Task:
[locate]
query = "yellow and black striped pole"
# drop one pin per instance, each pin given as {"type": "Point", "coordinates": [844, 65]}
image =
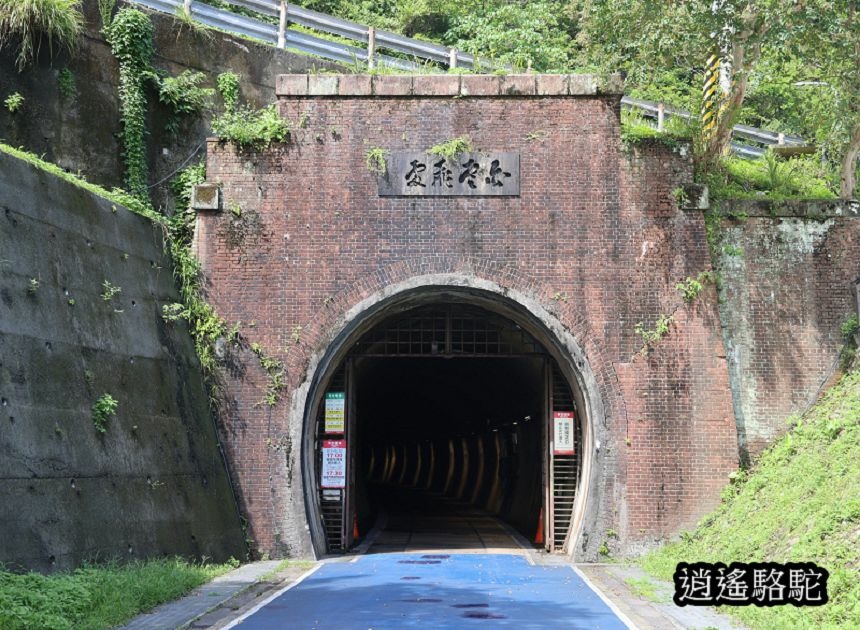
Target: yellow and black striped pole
{"type": "Point", "coordinates": [711, 97]}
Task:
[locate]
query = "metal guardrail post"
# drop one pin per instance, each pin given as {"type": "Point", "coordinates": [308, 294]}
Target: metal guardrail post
{"type": "Point", "coordinates": [187, 7]}
{"type": "Point", "coordinates": [282, 26]}
{"type": "Point", "coordinates": [452, 58]}
{"type": "Point", "coordinates": [661, 116]}
{"type": "Point", "coordinates": [780, 138]}
{"type": "Point", "coordinates": [371, 47]}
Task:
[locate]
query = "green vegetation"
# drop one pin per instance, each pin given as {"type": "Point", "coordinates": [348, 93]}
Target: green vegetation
{"type": "Point", "coordinates": [850, 327]}
{"type": "Point", "coordinates": [66, 83]}
{"type": "Point", "coordinates": [97, 596]}
{"type": "Point", "coordinates": [644, 588]}
{"type": "Point", "coordinates": [130, 38]}
{"type": "Point", "coordinates": [651, 336]}
{"type": "Point", "coordinates": [252, 129]}
{"type": "Point", "coordinates": [452, 148]}
{"type": "Point", "coordinates": [228, 88]}
{"type": "Point", "coordinates": [187, 21]}
{"type": "Point", "coordinates": [245, 127]}
{"type": "Point", "coordinates": [768, 178]}
{"type": "Point", "coordinates": [690, 288]}
{"type": "Point", "coordinates": [102, 410]}
{"type": "Point", "coordinates": [799, 503]}
{"type": "Point", "coordinates": [185, 96]}
{"type": "Point", "coordinates": [28, 22]}
{"type": "Point", "coordinates": [110, 291]}
{"type": "Point", "coordinates": [374, 159]}
{"type": "Point", "coordinates": [205, 325]}
{"type": "Point", "coordinates": [106, 8]}
{"type": "Point", "coordinates": [274, 368]}
{"type": "Point", "coordinates": [523, 34]}
{"type": "Point", "coordinates": [785, 75]}
{"type": "Point", "coordinates": [13, 102]}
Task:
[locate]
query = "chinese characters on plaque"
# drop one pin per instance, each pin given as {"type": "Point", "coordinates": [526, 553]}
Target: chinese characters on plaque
{"type": "Point", "coordinates": [468, 174]}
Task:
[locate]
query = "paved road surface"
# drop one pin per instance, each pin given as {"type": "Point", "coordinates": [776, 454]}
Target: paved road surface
{"type": "Point", "coordinates": [436, 590]}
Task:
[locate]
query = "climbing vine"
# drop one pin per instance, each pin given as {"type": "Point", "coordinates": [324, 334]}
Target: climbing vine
{"type": "Point", "coordinates": [274, 369]}
{"type": "Point", "coordinates": [204, 323]}
{"type": "Point", "coordinates": [228, 88]}
{"type": "Point", "coordinates": [207, 328]}
{"type": "Point", "coordinates": [130, 37]}
{"type": "Point", "coordinates": [184, 96]}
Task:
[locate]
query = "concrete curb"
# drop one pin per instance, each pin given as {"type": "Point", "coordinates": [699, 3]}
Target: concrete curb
{"type": "Point", "coordinates": [184, 611]}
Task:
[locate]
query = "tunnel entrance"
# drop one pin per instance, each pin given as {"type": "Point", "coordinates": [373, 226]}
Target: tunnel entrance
{"type": "Point", "coordinates": [456, 425]}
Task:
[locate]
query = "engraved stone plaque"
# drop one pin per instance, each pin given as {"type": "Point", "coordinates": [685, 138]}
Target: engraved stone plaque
{"type": "Point", "coordinates": [413, 174]}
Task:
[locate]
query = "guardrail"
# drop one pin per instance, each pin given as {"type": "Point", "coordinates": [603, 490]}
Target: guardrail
{"type": "Point", "coordinates": [281, 14]}
{"type": "Point", "coordinates": [660, 112]}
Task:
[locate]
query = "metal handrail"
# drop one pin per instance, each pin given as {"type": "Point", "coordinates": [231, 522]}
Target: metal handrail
{"type": "Point", "coordinates": [370, 39]}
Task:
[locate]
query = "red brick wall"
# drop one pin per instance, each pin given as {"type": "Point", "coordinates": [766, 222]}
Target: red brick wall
{"type": "Point", "coordinates": [595, 236]}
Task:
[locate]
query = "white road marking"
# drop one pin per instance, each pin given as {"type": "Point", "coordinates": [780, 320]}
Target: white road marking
{"type": "Point", "coordinates": [277, 594]}
{"type": "Point", "coordinates": [624, 618]}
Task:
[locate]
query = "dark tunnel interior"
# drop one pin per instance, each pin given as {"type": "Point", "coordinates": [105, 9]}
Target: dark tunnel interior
{"type": "Point", "coordinates": [468, 428]}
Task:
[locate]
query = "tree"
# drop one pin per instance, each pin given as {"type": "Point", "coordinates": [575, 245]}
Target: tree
{"type": "Point", "coordinates": [639, 33]}
{"type": "Point", "coordinates": [831, 38]}
{"type": "Point", "coordinates": [523, 34]}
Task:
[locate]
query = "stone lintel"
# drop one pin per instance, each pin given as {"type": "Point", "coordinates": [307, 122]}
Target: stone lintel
{"type": "Point", "coordinates": [447, 85]}
{"type": "Point", "coordinates": [796, 208]}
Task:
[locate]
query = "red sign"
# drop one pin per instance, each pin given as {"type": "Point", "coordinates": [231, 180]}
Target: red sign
{"type": "Point", "coordinates": [333, 470]}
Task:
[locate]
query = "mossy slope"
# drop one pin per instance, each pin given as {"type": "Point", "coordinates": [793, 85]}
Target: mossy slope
{"type": "Point", "coordinates": [801, 502]}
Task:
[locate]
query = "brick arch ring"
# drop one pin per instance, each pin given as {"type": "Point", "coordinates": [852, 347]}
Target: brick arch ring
{"type": "Point", "coordinates": [332, 337]}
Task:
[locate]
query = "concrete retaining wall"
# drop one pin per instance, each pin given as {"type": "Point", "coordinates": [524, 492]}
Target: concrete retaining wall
{"type": "Point", "coordinates": [81, 132]}
{"type": "Point", "coordinates": [155, 482]}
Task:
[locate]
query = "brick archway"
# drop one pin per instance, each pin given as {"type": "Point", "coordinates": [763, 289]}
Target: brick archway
{"type": "Point", "coordinates": [361, 307]}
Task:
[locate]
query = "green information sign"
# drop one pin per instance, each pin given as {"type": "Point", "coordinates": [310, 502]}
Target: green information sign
{"type": "Point", "coordinates": [335, 404]}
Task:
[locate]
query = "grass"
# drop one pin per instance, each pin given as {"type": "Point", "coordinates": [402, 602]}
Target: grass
{"type": "Point", "coordinates": [644, 588]}
{"type": "Point", "coordinates": [801, 502]}
{"type": "Point", "coordinates": [374, 159]}
{"type": "Point", "coordinates": [27, 22]}
{"type": "Point", "coordinates": [452, 148]}
{"type": "Point", "coordinates": [97, 596]}
{"type": "Point", "coordinates": [769, 178]}
{"type": "Point", "coordinates": [252, 129]}
{"type": "Point", "coordinates": [116, 195]}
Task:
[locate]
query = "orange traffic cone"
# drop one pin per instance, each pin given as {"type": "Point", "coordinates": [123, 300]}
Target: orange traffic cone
{"type": "Point", "coordinates": [539, 532]}
{"type": "Point", "coordinates": [354, 526]}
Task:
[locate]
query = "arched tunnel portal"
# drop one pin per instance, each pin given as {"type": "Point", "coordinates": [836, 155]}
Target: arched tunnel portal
{"type": "Point", "coordinates": [441, 402]}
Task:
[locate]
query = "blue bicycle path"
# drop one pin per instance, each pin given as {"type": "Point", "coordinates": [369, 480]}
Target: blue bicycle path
{"type": "Point", "coordinates": [408, 590]}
